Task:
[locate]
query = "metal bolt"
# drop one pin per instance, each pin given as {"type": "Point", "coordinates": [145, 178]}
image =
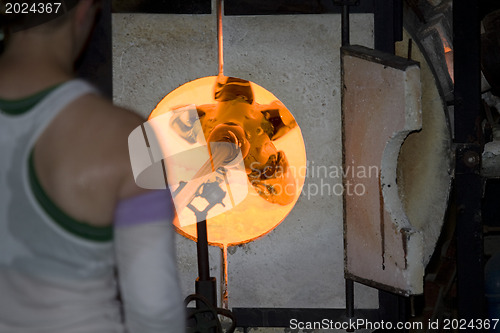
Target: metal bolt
{"type": "Point", "coordinates": [471, 159]}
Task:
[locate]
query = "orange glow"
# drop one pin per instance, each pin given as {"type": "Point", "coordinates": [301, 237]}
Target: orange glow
{"type": "Point", "coordinates": [257, 214]}
{"type": "Point", "coordinates": [448, 56]}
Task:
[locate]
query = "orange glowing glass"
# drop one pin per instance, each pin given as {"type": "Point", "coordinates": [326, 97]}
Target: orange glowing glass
{"type": "Point", "coordinates": [275, 159]}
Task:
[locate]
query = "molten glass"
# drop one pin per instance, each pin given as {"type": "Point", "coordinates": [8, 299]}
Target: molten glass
{"type": "Point", "coordinates": [250, 117]}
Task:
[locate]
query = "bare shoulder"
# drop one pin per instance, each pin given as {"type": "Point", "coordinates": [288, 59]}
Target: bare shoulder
{"type": "Point", "coordinates": [99, 126]}
{"type": "Point", "coordinates": [100, 109]}
{"type": "Point", "coordinates": [114, 126]}
{"type": "Point", "coordinates": [82, 158]}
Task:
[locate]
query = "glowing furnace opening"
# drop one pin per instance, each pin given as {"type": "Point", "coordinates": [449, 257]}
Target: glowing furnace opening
{"type": "Point", "coordinates": [272, 145]}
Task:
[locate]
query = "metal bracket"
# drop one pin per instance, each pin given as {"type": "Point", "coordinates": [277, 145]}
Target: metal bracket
{"type": "Point", "coordinates": [468, 158]}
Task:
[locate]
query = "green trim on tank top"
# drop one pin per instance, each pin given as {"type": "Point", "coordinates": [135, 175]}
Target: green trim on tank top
{"type": "Point", "coordinates": [16, 107]}
{"type": "Point", "coordinates": [75, 227]}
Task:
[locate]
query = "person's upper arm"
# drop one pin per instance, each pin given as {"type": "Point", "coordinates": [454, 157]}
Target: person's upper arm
{"type": "Point", "coordinates": [145, 255]}
{"type": "Point", "coordinates": [147, 267]}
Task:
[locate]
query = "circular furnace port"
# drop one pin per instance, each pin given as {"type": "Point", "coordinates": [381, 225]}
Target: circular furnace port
{"type": "Point", "coordinates": [425, 160]}
{"type": "Point", "coordinates": [271, 144]}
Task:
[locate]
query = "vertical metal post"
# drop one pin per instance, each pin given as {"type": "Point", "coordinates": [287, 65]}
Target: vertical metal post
{"type": "Point", "coordinates": [202, 251]}
{"type": "Point", "coordinates": [349, 298]}
{"type": "Point", "coordinates": [220, 39]}
{"type": "Point", "coordinates": [205, 285]}
{"type": "Point", "coordinates": [349, 284]}
{"type": "Point", "coordinates": [468, 182]}
{"type": "Point", "coordinates": [345, 25]}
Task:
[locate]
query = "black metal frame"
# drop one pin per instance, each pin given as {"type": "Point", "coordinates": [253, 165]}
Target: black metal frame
{"type": "Point", "coordinates": [468, 182]}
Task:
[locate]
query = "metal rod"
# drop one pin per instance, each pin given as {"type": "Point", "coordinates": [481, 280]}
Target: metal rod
{"type": "Point", "coordinates": [220, 37]}
{"type": "Point", "coordinates": [345, 25]}
{"type": "Point", "coordinates": [349, 298]}
{"type": "Point", "coordinates": [202, 251]}
{"type": "Point", "coordinates": [224, 277]}
{"type": "Point", "coordinates": [410, 45]}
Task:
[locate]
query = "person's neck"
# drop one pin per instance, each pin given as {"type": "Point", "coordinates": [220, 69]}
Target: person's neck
{"type": "Point", "coordinates": [28, 68]}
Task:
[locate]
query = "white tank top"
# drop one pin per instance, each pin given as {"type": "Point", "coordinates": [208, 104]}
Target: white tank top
{"type": "Point", "coordinates": [51, 279]}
